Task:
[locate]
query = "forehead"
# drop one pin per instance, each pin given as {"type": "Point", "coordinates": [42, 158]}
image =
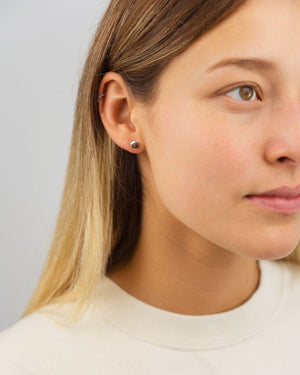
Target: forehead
{"type": "Point", "coordinates": [266, 29]}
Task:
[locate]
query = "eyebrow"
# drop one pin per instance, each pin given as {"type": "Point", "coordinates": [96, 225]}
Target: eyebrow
{"type": "Point", "coordinates": [249, 63]}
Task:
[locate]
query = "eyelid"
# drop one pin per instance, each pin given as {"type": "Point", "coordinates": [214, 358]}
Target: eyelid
{"type": "Point", "coordinates": [242, 84]}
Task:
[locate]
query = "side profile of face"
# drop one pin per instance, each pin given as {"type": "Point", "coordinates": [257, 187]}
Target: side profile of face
{"type": "Point", "coordinates": [210, 141]}
{"type": "Point", "coordinates": [214, 135]}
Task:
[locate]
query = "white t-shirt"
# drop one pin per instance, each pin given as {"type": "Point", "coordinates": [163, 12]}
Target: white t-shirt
{"type": "Point", "coordinates": [127, 336]}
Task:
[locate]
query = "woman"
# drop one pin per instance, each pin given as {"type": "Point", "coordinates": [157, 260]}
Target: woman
{"type": "Point", "coordinates": [173, 253]}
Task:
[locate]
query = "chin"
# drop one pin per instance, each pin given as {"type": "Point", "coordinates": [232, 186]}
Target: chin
{"type": "Point", "coordinates": [274, 253]}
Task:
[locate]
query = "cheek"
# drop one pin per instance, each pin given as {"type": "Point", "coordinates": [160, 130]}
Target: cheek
{"type": "Point", "coordinates": [198, 164]}
{"type": "Point", "coordinates": [201, 171]}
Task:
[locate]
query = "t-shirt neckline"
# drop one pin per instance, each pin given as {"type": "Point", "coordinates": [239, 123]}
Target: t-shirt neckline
{"type": "Point", "coordinates": [193, 332]}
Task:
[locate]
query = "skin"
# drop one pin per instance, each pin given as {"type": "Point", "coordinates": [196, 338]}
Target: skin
{"type": "Point", "coordinates": [201, 153]}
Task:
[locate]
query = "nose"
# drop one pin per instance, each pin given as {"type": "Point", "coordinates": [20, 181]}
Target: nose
{"type": "Point", "coordinates": [283, 144]}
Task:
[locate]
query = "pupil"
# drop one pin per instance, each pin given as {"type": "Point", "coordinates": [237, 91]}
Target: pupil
{"type": "Point", "coordinates": [246, 92]}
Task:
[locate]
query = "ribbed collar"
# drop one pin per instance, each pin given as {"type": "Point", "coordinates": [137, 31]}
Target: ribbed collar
{"type": "Point", "coordinates": [189, 332]}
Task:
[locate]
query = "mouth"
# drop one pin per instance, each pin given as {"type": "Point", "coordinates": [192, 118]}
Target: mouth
{"type": "Point", "coordinates": [282, 192]}
{"type": "Point", "coordinates": [283, 205]}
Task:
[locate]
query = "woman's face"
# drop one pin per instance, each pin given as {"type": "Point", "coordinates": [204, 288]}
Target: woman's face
{"type": "Point", "coordinates": [210, 141]}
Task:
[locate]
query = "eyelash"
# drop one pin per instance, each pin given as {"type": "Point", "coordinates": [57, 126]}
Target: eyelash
{"type": "Point", "coordinates": [245, 84]}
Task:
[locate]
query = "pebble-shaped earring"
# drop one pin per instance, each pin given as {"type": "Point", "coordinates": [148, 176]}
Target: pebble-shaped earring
{"type": "Point", "coordinates": [134, 145]}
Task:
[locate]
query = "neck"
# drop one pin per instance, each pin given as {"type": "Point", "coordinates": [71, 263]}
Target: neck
{"type": "Point", "coordinates": [182, 283]}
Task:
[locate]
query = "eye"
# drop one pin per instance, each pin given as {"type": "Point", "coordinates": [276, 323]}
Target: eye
{"type": "Point", "coordinates": [245, 92]}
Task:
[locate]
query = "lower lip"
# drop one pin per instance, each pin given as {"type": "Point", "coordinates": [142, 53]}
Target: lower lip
{"type": "Point", "coordinates": [276, 204]}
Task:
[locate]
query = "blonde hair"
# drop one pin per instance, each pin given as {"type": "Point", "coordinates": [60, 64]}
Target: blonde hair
{"type": "Point", "coordinates": [99, 220]}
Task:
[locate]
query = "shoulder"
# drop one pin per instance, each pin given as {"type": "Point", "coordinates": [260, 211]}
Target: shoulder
{"type": "Point", "coordinates": [8, 367]}
{"type": "Point", "coordinates": [23, 345]}
{"type": "Point", "coordinates": [38, 343]}
{"type": "Point", "coordinates": [41, 343]}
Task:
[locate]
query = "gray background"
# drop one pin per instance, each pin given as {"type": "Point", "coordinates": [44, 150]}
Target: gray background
{"type": "Point", "coordinates": [43, 48]}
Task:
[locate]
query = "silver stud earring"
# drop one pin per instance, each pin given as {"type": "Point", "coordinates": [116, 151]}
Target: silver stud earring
{"type": "Point", "coordinates": [134, 145]}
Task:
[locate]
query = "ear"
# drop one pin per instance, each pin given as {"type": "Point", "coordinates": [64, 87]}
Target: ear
{"type": "Point", "coordinates": [116, 109]}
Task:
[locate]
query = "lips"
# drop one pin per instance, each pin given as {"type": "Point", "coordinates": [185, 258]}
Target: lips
{"type": "Point", "coordinates": [276, 204]}
{"type": "Point", "coordinates": [284, 200]}
{"type": "Point", "coordinates": [281, 192]}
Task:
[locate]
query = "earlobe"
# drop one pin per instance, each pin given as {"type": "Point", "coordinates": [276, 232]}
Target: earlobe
{"type": "Point", "coordinates": [115, 109]}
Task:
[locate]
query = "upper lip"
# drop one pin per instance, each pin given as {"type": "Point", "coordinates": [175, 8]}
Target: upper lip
{"type": "Point", "coordinates": [283, 192]}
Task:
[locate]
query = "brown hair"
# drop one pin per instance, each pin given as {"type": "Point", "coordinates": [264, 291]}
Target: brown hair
{"type": "Point", "coordinates": [100, 214]}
